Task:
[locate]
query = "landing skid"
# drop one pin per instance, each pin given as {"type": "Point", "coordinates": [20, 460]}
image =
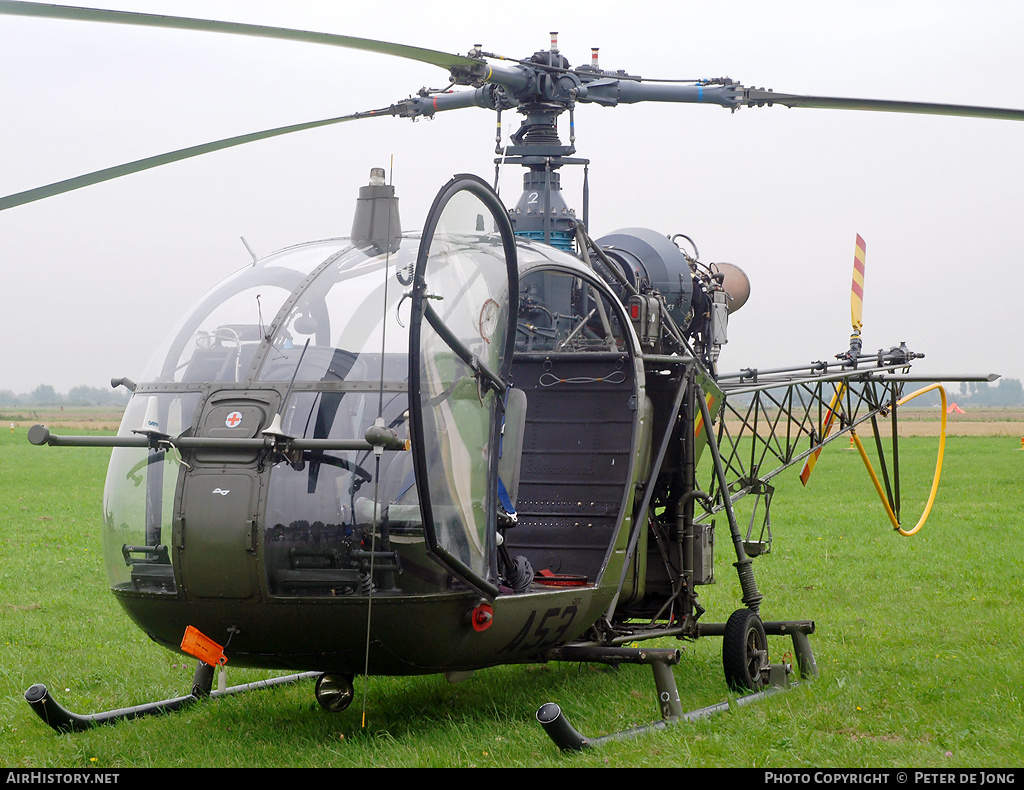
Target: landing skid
{"type": "Point", "coordinates": [62, 720]}
{"type": "Point", "coordinates": [568, 739]}
{"type": "Point", "coordinates": [661, 661]}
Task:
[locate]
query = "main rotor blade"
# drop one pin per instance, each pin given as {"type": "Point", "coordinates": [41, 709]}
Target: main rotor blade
{"type": "Point", "coordinates": [610, 91]}
{"type": "Point", "coordinates": [756, 97]}
{"type": "Point", "coordinates": [117, 171]}
{"type": "Point", "coordinates": [443, 59]}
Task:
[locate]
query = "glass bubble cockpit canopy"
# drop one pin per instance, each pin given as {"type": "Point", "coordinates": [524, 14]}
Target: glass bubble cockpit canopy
{"type": "Point", "coordinates": [329, 293]}
{"type": "Point", "coordinates": [324, 325]}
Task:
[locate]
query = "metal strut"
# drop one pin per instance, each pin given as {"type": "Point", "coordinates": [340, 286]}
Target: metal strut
{"type": "Point", "coordinates": [752, 597]}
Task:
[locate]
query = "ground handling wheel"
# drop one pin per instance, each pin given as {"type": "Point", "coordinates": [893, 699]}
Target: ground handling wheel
{"type": "Point", "coordinates": [334, 692]}
{"type": "Point", "coordinates": [745, 652]}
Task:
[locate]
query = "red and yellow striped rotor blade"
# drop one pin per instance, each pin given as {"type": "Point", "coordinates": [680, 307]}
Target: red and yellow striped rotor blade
{"type": "Point", "coordinates": [826, 429]}
{"type": "Point", "coordinates": [856, 312]}
{"type": "Point", "coordinates": [857, 289]}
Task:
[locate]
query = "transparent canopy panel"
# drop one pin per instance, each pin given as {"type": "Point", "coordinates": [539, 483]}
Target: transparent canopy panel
{"type": "Point", "coordinates": [326, 323]}
{"type": "Point", "coordinates": [320, 334]}
{"type": "Point", "coordinates": [465, 278]}
{"type": "Point", "coordinates": [342, 344]}
{"type": "Point", "coordinates": [139, 497]}
{"type": "Point", "coordinates": [562, 311]}
{"type": "Point", "coordinates": [216, 340]}
{"type": "Point", "coordinates": [348, 323]}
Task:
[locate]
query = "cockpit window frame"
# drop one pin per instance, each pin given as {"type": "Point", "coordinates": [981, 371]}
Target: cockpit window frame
{"type": "Point", "coordinates": [484, 582]}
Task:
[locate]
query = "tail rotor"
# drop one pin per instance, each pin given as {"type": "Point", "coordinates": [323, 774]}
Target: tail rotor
{"type": "Point", "coordinates": [857, 297]}
{"type": "Point", "coordinates": [856, 320]}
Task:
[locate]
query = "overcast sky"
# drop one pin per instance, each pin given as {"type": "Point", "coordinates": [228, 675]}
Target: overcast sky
{"type": "Point", "coordinates": [91, 281]}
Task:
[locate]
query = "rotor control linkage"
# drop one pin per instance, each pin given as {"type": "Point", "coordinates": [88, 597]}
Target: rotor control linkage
{"type": "Point", "coordinates": [62, 720]}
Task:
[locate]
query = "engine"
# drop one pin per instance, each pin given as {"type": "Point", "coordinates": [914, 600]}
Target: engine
{"type": "Point", "coordinates": [657, 279]}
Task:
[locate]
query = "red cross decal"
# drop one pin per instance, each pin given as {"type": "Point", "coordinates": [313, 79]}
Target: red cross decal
{"type": "Point", "coordinates": [234, 419]}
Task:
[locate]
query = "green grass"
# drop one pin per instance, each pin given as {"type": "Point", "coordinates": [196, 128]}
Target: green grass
{"type": "Point", "coordinates": [918, 645]}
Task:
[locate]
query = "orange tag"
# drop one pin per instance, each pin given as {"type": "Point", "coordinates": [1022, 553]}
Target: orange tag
{"type": "Point", "coordinates": [197, 644]}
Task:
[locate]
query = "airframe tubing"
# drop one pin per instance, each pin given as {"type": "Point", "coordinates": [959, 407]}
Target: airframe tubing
{"type": "Point", "coordinates": [938, 464]}
{"type": "Point", "coordinates": [40, 435]}
{"type": "Point", "coordinates": [751, 595]}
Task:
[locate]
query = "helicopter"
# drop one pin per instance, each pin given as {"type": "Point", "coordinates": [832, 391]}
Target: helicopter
{"type": "Point", "coordinates": [356, 456]}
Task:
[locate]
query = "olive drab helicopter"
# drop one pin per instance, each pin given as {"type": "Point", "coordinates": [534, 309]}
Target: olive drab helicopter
{"type": "Point", "coordinates": [495, 441]}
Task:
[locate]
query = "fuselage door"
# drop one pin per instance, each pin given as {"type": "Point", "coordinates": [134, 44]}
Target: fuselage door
{"type": "Point", "coordinates": [464, 307]}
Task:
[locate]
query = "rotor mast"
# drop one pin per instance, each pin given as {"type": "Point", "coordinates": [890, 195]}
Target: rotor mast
{"type": "Point", "coordinates": [541, 212]}
{"type": "Point", "coordinates": [541, 89]}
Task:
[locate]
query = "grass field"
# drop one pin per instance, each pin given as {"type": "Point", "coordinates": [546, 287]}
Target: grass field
{"type": "Point", "coordinates": [918, 644]}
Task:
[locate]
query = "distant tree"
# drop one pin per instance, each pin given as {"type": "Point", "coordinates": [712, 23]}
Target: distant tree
{"type": "Point", "coordinates": [44, 394]}
{"type": "Point", "coordinates": [927, 399]}
{"type": "Point", "coordinates": [8, 398]}
{"type": "Point", "coordinates": [81, 396]}
{"type": "Point", "coordinates": [1008, 392]}
{"type": "Point", "coordinates": [94, 396]}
